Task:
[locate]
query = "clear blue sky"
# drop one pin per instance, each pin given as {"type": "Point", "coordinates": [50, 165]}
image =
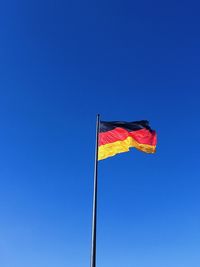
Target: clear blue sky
{"type": "Point", "coordinates": [61, 62]}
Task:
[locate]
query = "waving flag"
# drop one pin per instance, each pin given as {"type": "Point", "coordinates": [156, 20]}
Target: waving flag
{"type": "Point", "coordinates": [119, 136]}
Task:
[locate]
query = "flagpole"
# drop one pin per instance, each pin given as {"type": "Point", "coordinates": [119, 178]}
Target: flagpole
{"type": "Point", "coordinates": [94, 213]}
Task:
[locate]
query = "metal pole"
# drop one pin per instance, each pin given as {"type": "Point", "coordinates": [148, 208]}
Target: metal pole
{"type": "Point", "coordinates": [94, 213]}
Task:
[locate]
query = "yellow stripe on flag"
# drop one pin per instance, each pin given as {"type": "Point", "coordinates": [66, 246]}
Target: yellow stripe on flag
{"type": "Point", "coordinates": [111, 149]}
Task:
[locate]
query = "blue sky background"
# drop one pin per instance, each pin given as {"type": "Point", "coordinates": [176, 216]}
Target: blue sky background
{"type": "Point", "coordinates": [61, 63]}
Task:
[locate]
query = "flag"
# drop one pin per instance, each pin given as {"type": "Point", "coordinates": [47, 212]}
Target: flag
{"type": "Point", "coordinates": [119, 136]}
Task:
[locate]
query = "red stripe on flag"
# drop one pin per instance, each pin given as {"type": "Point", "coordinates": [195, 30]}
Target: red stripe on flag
{"type": "Point", "coordinates": [142, 136]}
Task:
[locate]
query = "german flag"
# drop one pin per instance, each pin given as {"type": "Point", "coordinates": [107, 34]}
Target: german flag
{"type": "Point", "coordinates": [119, 136]}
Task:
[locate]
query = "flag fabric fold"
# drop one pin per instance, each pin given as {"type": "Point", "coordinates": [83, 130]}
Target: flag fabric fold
{"type": "Point", "coordinates": [119, 136]}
